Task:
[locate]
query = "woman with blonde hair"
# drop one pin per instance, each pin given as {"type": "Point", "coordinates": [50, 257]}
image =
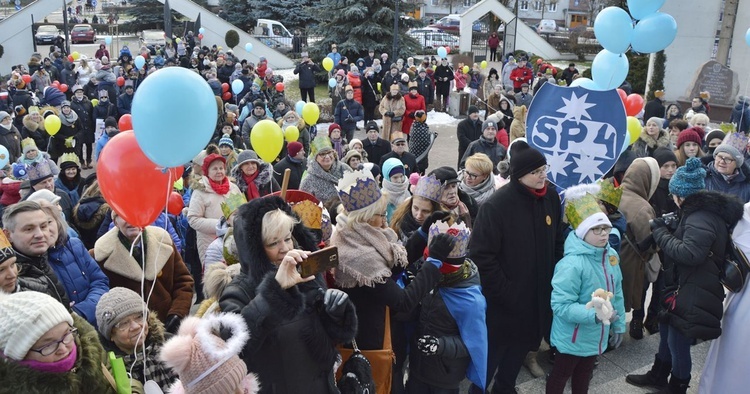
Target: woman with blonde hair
{"type": "Point", "coordinates": [476, 178]}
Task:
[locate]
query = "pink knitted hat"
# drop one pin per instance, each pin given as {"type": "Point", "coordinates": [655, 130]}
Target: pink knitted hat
{"type": "Point", "coordinates": [205, 363]}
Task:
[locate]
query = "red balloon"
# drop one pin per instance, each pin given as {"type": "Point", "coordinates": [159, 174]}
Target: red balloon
{"type": "Point", "coordinates": [224, 87]}
{"type": "Point", "coordinates": [120, 81]}
{"type": "Point", "coordinates": [175, 204]}
{"type": "Point", "coordinates": [200, 36]}
{"type": "Point", "coordinates": [26, 78]}
{"type": "Point", "coordinates": [70, 58]}
{"type": "Point", "coordinates": [125, 123]}
{"type": "Point", "coordinates": [122, 167]}
{"type": "Point", "coordinates": [633, 104]}
{"type": "Point", "coordinates": [226, 96]}
{"type": "Point", "coordinates": [448, 49]}
{"type": "Point", "coordinates": [623, 95]}
{"type": "Point", "coordinates": [63, 88]}
{"type": "Point", "coordinates": [176, 173]}
{"type": "Point", "coordinates": [279, 86]}
{"type": "Point", "coordinates": [55, 84]}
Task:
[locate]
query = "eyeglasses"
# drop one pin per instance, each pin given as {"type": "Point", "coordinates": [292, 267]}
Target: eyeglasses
{"type": "Point", "coordinates": [601, 230]}
{"type": "Point", "coordinates": [540, 171]}
{"type": "Point", "coordinates": [725, 159]}
{"type": "Point", "coordinates": [52, 347]}
{"type": "Point", "coordinates": [471, 175]}
{"type": "Point", "coordinates": [124, 325]}
{"type": "Point", "coordinates": [325, 154]}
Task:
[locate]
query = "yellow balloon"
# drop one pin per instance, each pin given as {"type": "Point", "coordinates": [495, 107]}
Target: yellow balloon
{"type": "Point", "coordinates": [52, 124]}
{"type": "Point", "coordinates": [311, 113]}
{"type": "Point", "coordinates": [267, 139]}
{"type": "Point", "coordinates": [328, 64]}
{"type": "Point", "coordinates": [291, 134]}
{"type": "Point", "coordinates": [434, 68]}
{"type": "Point", "coordinates": [378, 86]}
{"type": "Point", "coordinates": [75, 55]}
{"type": "Point", "coordinates": [179, 40]}
{"type": "Point", "coordinates": [483, 64]}
{"type": "Point", "coordinates": [94, 102]}
{"type": "Point", "coordinates": [465, 69]}
{"type": "Point", "coordinates": [635, 128]}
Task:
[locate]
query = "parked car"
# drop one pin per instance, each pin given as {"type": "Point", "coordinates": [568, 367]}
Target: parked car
{"type": "Point", "coordinates": [547, 26]}
{"type": "Point", "coordinates": [432, 39]}
{"type": "Point", "coordinates": [46, 34]}
{"type": "Point", "coordinates": [153, 37]}
{"type": "Point", "coordinates": [82, 33]}
{"type": "Point", "coordinates": [448, 23]}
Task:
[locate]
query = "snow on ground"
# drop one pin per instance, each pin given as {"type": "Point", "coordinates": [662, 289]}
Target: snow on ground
{"type": "Point", "coordinates": [440, 118]}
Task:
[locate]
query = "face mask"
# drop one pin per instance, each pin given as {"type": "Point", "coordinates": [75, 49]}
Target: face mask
{"type": "Point", "coordinates": [60, 366]}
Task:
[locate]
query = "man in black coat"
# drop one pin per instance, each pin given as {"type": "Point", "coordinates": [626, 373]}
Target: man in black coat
{"type": "Point", "coordinates": [399, 151]}
{"type": "Point", "coordinates": [655, 107]}
{"type": "Point", "coordinates": [425, 87]}
{"type": "Point", "coordinates": [443, 77]}
{"type": "Point", "coordinates": [306, 71]}
{"type": "Point", "coordinates": [468, 131]}
{"type": "Point", "coordinates": [375, 146]}
{"type": "Point", "coordinates": [569, 72]}
{"type": "Point", "coordinates": [82, 106]}
{"type": "Point", "coordinates": [516, 241]}
{"type": "Point", "coordinates": [295, 161]}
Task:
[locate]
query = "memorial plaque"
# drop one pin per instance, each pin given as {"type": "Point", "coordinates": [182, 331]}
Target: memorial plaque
{"type": "Point", "coordinates": [720, 81]}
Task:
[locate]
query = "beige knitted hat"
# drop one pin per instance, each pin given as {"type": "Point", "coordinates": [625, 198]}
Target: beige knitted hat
{"type": "Point", "coordinates": [25, 317]}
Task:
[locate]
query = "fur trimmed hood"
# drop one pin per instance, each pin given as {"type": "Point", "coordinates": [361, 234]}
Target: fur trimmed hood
{"type": "Point", "coordinates": [726, 206]}
{"type": "Point", "coordinates": [662, 140]}
{"type": "Point", "coordinates": [117, 258]}
{"type": "Point", "coordinates": [265, 173]}
{"type": "Point", "coordinates": [247, 229]}
{"type": "Point", "coordinates": [31, 124]}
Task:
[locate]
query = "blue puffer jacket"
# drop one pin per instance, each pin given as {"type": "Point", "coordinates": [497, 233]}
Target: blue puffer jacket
{"type": "Point", "coordinates": [738, 186]}
{"type": "Point", "coordinates": [81, 276]}
{"type": "Point", "coordinates": [584, 269]}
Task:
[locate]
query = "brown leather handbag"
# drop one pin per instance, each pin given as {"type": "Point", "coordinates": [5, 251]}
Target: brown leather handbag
{"type": "Point", "coordinates": [381, 361]}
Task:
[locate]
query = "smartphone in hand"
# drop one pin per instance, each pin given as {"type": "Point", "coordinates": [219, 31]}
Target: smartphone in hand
{"type": "Point", "coordinates": [319, 261]}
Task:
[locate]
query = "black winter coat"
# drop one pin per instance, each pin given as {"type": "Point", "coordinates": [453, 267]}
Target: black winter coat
{"type": "Point", "coordinates": [104, 110]}
{"type": "Point", "coordinates": [467, 132]}
{"type": "Point", "coordinates": [426, 88]}
{"type": "Point", "coordinates": [516, 241]}
{"type": "Point", "coordinates": [692, 257]}
{"type": "Point", "coordinates": [298, 169]}
{"type": "Point", "coordinates": [35, 273]}
{"type": "Point", "coordinates": [23, 97]}
{"type": "Point", "coordinates": [370, 91]}
{"type": "Point", "coordinates": [306, 73]}
{"type": "Point", "coordinates": [376, 151]}
{"type": "Point", "coordinates": [85, 112]}
{"type": "Point", "coordinates": [655, 108]}
{"type": "Point", "coordinates": [292, 346]}
{"type": "Point", "coordinates": [407, 158]}
{"type": "Point", "coordinates": [443, 77]}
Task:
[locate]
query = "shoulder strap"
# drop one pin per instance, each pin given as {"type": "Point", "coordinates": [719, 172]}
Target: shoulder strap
{"type": "Point", "coordinates": [387, 330]}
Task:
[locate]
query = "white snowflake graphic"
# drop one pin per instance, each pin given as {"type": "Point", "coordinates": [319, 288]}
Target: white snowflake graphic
{"type": "Point", "coordinates": [576, 107]}
{"type": "Point", "coordinates": [588, 167]}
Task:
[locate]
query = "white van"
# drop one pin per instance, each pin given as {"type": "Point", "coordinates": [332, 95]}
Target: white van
{"type": "Point", "coordinates": [273, 33]}
{"type": "Point", "coordinates": [547, 26]}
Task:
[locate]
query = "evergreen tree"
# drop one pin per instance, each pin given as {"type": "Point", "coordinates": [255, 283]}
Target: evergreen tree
{"type": "Point", "coordinates": [356, 26]}
{"type": "Point", "coordinates": [238, 13]}
{"type": "Point", "coordinates": [147, 14]}
{"type": "Point", "coordinates": [657, 77]}
{"type": "Point", "coordinates": [292, 13]}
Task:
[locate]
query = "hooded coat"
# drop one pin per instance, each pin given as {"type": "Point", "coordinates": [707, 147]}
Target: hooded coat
{"type": "Point", "coordinates": [204, 211]}
{"type": "Point", "coordinates": [397, 106]}
{"type": "Point", "coordinates": [87, 375]}
{"type": "Point", "coordinates": [741, 116]}
{"type": "Point", "coordinates": [693, 255]}
{"type": "Point", "coordinates": [639, 184]}
{"type": "Point", "coordinates": [292, 348]}
{"type": "Point", "coordinates": [645, 145]}
{"type": "Point", "coordinates": [88, 216]}
{"type": "Point", "coordinates": [516, 240]}
{"type": "Point", "coordinates": [172, 292]}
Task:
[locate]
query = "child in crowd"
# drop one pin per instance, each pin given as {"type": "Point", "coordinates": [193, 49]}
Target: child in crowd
{"type": "Point", "coordinates": [395, 185]}
{"type": "Point", "coordinates": [32, 154]}
{"type": "Point", "coordinates": [226, 148]}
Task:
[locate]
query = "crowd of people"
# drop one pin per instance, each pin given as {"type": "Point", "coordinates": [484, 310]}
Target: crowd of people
{"type": "Point", "coordinates": [460, 273]}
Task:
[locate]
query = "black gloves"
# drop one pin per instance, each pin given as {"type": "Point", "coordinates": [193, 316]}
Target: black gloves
{"type": "Point", "coordinates": [434, 217]}
{"type": "Point", "coordinates": [172, 324]}
{"type": "Point", "coordinates": [441, 246]}
{"type": "Point", "coordinates": [389, 114]}
{"type": "Point", "coordinates": [430, 345]}
{"type": "Point", "coordinates": [668, 221]}
{"type": "Point", "coordinates": [411, 115]}
{"type": "Point", "coordinates": [334, 301]}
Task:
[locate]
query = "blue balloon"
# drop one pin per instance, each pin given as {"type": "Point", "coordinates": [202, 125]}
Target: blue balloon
{"type": "Point", "coordinates": [614, 29]}
{"type": "Point", "coordinates": [585, 83]}
{"type": "Point", "coordinates": [643, 8]}
{"type": "Point", "coordinates": [140, 61]}
{"type": "Point", "coordinates": [249, 47]}
{"type": "Point", "coordinates": [298, 107]}
{"type": "Point", "coordinates": [747, 37]}
{"type": "Point", "coordinates": [609, 70]}
{"type": "Point", "coordinates": [4, 156]}
{"type": "Point", "coordinates": [237, 86]}
{"type": "Point", "coordinates": [441, 52]}
{"type": "Point", "coordinates": [332, 83]}
{"type": "Point", "coordinates": [172, 141]}
{"type": "Point", "coordinates": [654, 33]}
{"type": "Point", "coordinates": [201, 30]}
{"type": "Point", "coordinates": [107, 40]}
{"type": "Point", "coordinates": [626, 143]}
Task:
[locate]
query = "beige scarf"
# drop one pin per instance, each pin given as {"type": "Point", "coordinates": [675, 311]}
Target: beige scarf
{"type": "Point", "coordinates": [366, 254]}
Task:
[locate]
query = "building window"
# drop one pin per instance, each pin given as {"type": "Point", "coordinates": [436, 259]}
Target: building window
{"type": "Point", "coordinates": [524, 6]}
{"type": "Point", "coordinates": [552, 7]}
{"type": "Point", "coordinates": [467, 3]}
{"type": "Point", "coordinates": [434, 2]}
{"type": "Point", "coordinates": [538, 5]}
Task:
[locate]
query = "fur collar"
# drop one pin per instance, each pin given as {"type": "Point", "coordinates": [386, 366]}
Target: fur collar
{"type": "Point", "coordinates": [726, 206]}
{"type": "Point", "coordinates": [336, 172]}
{"type": "Point", "coordinates": [31, 125]}
{"type": "Point", "coordinates": [265, 172]}
{"type": "Point", "coordinates": [117, 258]}
{"type": "Point", "coordinates": [398, 96]}
{"type": "Point", "coordinates": [662, 140]}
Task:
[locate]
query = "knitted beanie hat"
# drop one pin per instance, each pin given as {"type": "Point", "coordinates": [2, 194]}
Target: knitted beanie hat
{"type": "Point", "coordinates": [205, 363]}
{"type": "Point", "coordinates": [225, 140]}
{"type": "Point", "coordinates": [393, 166]}
{"type": "Point", "coordinates": [210, 159]}
{"type": "Point", "coordinates": [247, 155]}
{"type": "Point", "coordinates": [115, 305]}
{"type": "Point", "coordinates": [26, 317]}
{"type": "Point", "coordinates": [333, 126]}
{"type": "Point", "coordinates": [732, 151]}
{"type": "Point", "coordinates": [688, 179]}
{"type": "Point", "coordinates": [664, 155]}
{"type": "Point", "coordinates": [44, 195]}
{"type": "Point", "coordinates": [524, 159]}
{"type": "Point", "coordinates": [688, 135]}
{"type": "Point", "coordinates": [714, 135]}
{"type": "Point", "coordinates": [490, 123]}
{"type": "Point", "coordinates": [354, 143]}
{"type": "Point", "coordinates": [6, 249]}
{"type": "Point", "coordinates": [293, 148]}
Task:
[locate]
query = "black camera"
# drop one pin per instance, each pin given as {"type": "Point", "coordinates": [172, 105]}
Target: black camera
{"type": "Point", "coordinates": [670, 221]}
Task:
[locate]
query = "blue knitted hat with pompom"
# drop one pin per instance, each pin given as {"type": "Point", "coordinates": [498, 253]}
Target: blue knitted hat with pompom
{"type": "Point", "coordinates": [688, 179]}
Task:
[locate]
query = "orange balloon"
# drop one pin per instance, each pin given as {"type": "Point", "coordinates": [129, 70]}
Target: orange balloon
{"type": "Point", "coordinates": [125, 123]}
{"type": "Point", "coordinates": [122, 166]}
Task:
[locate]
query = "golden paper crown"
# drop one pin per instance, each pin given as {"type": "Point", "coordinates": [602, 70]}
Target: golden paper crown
{"type": "Point", "coordinates": [6, 249]}
{"type": "Point", "coordinates": [28, 142]}
{"type": "Point", "coordinates": [231, 203]}
{"type": "Point", "coordinates": [69, 157]}
{"type": "Point", "coordinates": [580, 203]}
{"type": "Point", "coordinates": [609, 193]}
{"type": "Point", "coordinates": [358, 189]}
{"type": "Point", "coordinates": [429, 187]}
{"type": "Point", "coordinates": [459, 231]}
{"type": "Point", "coordinates": [229, 249]}
{"type": "Point", "coordinates": [309, 213]}
{"type": "Point", "coordinates": [320, 143]}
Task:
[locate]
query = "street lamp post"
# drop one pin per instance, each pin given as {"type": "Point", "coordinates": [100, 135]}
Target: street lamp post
{"type": "Point", "coordinates": [395, 30]}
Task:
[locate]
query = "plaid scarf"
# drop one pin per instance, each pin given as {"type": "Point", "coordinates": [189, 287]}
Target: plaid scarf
{"type": "Point", "coordinates": [155, 370]}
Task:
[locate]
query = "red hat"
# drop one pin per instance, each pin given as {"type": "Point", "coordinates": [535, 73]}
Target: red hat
{"type": "Point", "coordinates": [688, 135]}
{"type": "Point", "coordinates": [332, 127]}
{"type": "Point", "coordinates": [210, 159]}
{"type": "Point", "coordinates": [293, 148]}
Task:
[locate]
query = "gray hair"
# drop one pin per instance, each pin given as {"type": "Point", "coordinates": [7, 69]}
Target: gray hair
{"type": "Point", "coordinates": [9, 216]}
